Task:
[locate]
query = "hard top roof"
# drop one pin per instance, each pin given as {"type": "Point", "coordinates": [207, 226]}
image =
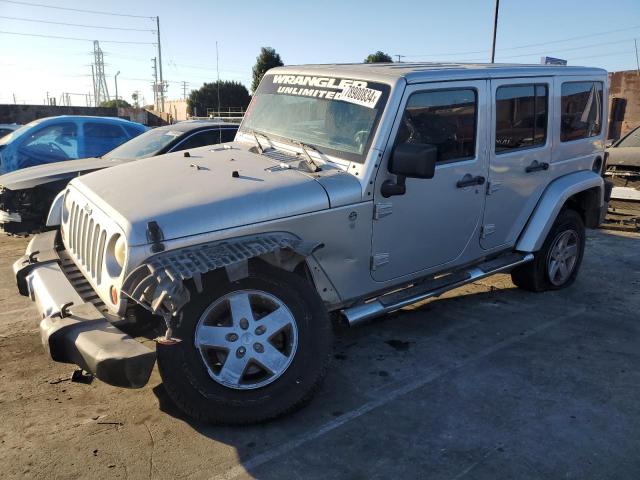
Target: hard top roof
{"type": "Point", "coordinates": [420, 72]}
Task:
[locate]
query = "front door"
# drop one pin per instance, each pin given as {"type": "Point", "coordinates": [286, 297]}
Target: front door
{"type": "Point", "coordinates": [434, 222]}
{"type": "Point", "coordinates": [520, 155]}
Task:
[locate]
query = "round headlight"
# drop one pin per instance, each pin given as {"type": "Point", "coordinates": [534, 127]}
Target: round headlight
{"type": "Point", "coordinates": [115, 255]}
{"type": "Point", "coordinates": [120, 251]}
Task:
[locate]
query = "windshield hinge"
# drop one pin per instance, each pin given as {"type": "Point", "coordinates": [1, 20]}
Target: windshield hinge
{"type": "Point", "coordinates": [378, 260]}
{"type": "Point", "coordinates": [382, 210]}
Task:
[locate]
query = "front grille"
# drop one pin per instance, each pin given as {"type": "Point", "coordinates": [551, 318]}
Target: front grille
{"type": "Point", "coordinates": [86, 241]}
{"type": "Point", "coordinates": [79, 282]}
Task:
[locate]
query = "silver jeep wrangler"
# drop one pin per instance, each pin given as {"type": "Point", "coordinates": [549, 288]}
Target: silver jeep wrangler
{"type": "Point", "coordinates": [349, 191]}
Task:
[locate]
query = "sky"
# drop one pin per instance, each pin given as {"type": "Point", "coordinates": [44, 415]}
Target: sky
{"type": "Point", "coordinates": [585, 32]}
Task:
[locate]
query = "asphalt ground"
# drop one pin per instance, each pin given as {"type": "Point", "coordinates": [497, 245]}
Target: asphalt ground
{"type": "Point", "coordinates": [485, 382]}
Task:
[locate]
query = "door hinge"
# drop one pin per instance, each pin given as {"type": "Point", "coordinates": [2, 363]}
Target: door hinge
{"type": "Point", "coordinates": [382, 210]}
{"type": "Point", "coordinates": [378, 260]}
{"type": "Point", "coordinates": [487, 230]}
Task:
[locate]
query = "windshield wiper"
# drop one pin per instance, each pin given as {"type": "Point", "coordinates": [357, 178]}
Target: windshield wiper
{"type": "Point", "coordinates": [255, 134]}
{"type": "Point", "coordinates": [311, 164]}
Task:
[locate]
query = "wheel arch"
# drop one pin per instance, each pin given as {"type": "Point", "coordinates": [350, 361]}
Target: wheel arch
{"type": "Point", "coordinates": [162, 283]}
{"type": "Point", "coordinates": [582, 191]}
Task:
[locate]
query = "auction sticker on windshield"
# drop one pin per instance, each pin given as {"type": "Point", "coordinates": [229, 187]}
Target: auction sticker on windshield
{"type": "Point", "coordinates": [367, 97]}
{"type": "Point", "coordinates": [358, 92]}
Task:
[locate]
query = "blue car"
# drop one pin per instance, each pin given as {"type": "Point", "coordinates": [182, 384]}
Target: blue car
{"type": "Point", "coordinates": [67, 137]}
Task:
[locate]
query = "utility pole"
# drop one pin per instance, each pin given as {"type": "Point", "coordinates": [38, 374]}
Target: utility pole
{"type": "Point", "coordinates": [155, 83]}
{"type": "Point", "coordinates": [116, 80]}
{"type": "Point", "coordinates": [14, 99]}
{"type": "Point", "coordinates": [495, 31]}
{"type": "Point", "coordinates": [160, 62]}
{"type": "Point", "coordinates": [637, 63]}
{"type": "Point", "coordinates": [400, 57]}
{"type": "Point", "coordinates": [48, 102]}
{"type": "Point", "coordinates": [218, 74]}
{"type": "Point", "coordinates": [184, 89]}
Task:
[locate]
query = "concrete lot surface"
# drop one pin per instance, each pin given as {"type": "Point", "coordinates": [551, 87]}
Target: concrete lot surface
{"type": "Point", "coordinates": [487, 382]}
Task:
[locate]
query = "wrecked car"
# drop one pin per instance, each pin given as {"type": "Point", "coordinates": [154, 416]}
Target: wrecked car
{"type": "Point", "coordinates": [26, 194]}
{"type": "Point", "coordinates": [62, 138]}
{"type": "Point", "coordinates": [623, 167]}
{"type": "Point", "coordinates": [350, 191]}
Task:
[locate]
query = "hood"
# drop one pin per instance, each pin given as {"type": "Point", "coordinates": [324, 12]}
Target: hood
{"type": "Point", "coordinates": [211, 190]}
{"type": "Point", "coordinates": [51, 172]}
{"type": "Point", "coordinates": [627, 156]}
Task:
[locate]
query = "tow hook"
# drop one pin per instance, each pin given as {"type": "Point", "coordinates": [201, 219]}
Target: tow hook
{"type": "Point", "coordinates": [168, 339]}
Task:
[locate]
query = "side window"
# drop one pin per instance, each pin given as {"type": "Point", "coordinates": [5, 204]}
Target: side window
{"type": "Point", "coordinates": [49, 144]}
{"type": "Point", "coordinates": [228, 134]}
{"type": "Point", "coordinates": [581, 110]}
{"type": "Point", "coordinates": [521, 116]}
{"type": "Point", "coordinates": [200, 139]}
{"type": "Point", "coordinates": [444, 118]}
{"type": "Point", "coordinates": [100, 138]}
{"type": "Point", "coordinates": [132, 132]}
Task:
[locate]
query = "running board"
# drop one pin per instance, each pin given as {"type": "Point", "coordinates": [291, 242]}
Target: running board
{"type": "Point", "coordinates": [431, 288]}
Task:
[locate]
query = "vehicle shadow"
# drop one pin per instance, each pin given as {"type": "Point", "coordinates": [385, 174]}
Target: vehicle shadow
{"type": "Point", "coordinates": [380, 359]}
{"type": "Point", "coordinates": [368, 360]}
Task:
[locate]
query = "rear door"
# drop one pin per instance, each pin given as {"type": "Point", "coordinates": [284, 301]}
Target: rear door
{"type": "Point", "coordinates": [520, 155]}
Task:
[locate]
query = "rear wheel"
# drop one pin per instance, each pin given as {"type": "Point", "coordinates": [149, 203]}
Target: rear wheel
{"type": "Point", "coordinates": [556, 264]}
{"type": "Point", "coordinates": [251, 350]}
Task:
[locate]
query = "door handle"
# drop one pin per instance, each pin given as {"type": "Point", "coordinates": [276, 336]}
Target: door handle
{"type": "Point", "coordinates": [536, 167]}
{"type": "Point", "coordinates": [470, 181]}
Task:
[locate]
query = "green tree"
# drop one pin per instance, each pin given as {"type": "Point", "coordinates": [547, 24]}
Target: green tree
{"type": "Point", "coordinates": [112, 103]}
{"type": "Point", "coordinates": [233, 95]}
{"type": "Point", "coordinates": [267, 59]}
{"type": "Point", "coordinates": [378, 57]}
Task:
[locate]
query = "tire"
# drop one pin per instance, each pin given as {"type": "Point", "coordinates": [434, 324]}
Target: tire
{"type": "Point", "coordinates": [196, 376]}
{"type": "Point", "coordinates": [539, 275]}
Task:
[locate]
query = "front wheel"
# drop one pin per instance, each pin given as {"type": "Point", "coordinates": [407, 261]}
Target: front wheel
{"type": "Point", "coordinates": [251, 350]}
{"type": "Point", "coordinates": [556, 264]}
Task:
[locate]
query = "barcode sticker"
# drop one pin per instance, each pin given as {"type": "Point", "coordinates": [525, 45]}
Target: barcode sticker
{"type": "Point", "coordinates": [367, 97]}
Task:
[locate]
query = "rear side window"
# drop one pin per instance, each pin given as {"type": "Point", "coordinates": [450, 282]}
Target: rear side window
{"type": "Point", "coordinates": [100, 138]}
{"type": "Point", "coordinates": [444, 118]}
{"type": "Point", "coordinates": [132, 132]}
{"type": "Point", "coordinates": [521, 117]}
{"type": "Point", "coordinates": [206, 137]}
{"type": "Point", "coordinates": [581, 110]}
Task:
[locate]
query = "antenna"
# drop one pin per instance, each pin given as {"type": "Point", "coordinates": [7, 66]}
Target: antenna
{"type": "Point", "coordinates": [218, 73]}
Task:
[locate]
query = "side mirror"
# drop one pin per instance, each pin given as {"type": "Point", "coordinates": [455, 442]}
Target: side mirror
{"type": "Point", "coordinates": [413, 160]}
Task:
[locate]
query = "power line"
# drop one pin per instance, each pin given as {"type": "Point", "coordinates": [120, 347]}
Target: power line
{"type": "Point", "coordinates": [96, 12]}
{"type": "Point", "coordinates": [582, 47]}
{"type": "Point", "coordinates": [77, 24]}
{"type": "Point", "coordinates": [530, 44]}
{"type": "Point", "coordinates": [72, 38]}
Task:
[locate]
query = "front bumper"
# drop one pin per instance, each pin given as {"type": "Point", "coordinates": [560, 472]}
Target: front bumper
{"type": "Point", "coordinates": [72, 330]}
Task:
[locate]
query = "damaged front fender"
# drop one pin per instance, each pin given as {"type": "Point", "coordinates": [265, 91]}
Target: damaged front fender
{"type": "Point", "coordinates": [158, 284]}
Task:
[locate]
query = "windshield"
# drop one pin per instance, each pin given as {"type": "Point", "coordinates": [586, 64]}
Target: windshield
{"type": "Point", "coordinates": [336, 115]}
{"type": "Point", "coordinates": [145, 145]}
{"type": "Point", "coordinates": [16, 133]}
{"type": "Point", "coordinates": [631, 140]}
